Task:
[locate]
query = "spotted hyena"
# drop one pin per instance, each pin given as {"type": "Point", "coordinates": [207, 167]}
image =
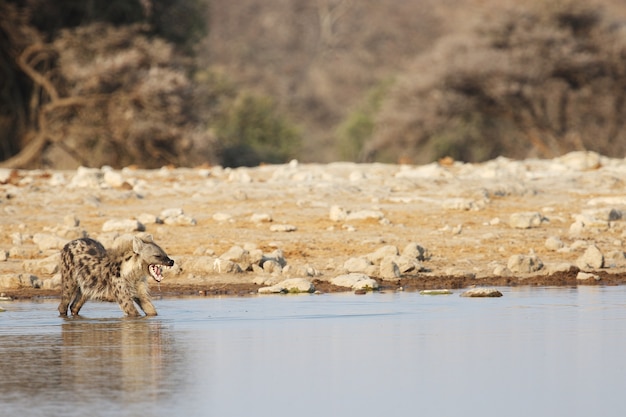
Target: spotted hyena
{"type": "Point", "coordinates": [90, 272]}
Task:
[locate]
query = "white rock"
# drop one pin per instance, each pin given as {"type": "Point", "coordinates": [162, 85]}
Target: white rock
{"type": "Point", "coordinates": [552, 268]}
{"type": "Point", "coordinates": [615, 259]}
{"type": "Point", "coordinates": [297, 285]}
{"type": "Point", "coordinates": [283, 228]}
{"type": "Point", "coordinates": [3, 255]}
{"type": "Point", "coordinates": [52, 283]}
{"type": "Point", "coordinates": [407, 263]}
{"type": "Point", "coordinates": [223, 266]}
{"type": "Point", "coordinates": [526, 220]}
{"type": "Point", "coordinates": [338, 213]}
{"type": "Point", "coordinates": [171, 212]}
{"type": "Point", "coordinates": [591, 259]}
{"type": "Point", "coordinates": [554, 243]}
{"type": "Point", "coordinates": [482, 292]}
{"type": "Point", "coordinates": [5, 175]}
{"type": "Point", "coordinates": [272, 267]}
{"type": "Point", "coordinates": [238, 255]}
{"type": "Point", "coordinates": [274, 289]}
{"type": "Point", "coordinates": [47, 266]}
{"type": "Point", "coordinates": [222, 217]}
{"type": "Point", "coordinates": [147, 218]}
{"type": "Point", "coordinates": [122, 225]}
{"type": "Point", "coordinates": [71, 221]}
{"type": "Point", "coordinates": [45, 241]}
{"type": "Point", "coordinates": [376, 256]}
{"type": "Point", "coordinates": [389, 269]}
{"type": "Point", "coordinates": [365, 215]}
{"type": "Point", "coordinates": [113, 179]}
{"type": "Point", "coordinates": [524, 264]}
{"type": "Point", "coordinates": [261, 218]}
{"type": "Point", "coordinates": [414, 250]}
{"type": "Point", "coordinates": [10, 281]}
{"type": "Point", "coordinates": [358, 264]}
{"type": "Point", "coordinates": [87, 178]}
{"type": "Point", "coordinates": [580, 160]}
{"type": "Point", "coordinates": [582, 276]}
{"type": "Point", "coordinates": [355, 281]}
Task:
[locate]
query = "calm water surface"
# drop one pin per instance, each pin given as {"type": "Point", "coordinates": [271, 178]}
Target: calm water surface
{"type": "Point", "coordinates": [533, 352]}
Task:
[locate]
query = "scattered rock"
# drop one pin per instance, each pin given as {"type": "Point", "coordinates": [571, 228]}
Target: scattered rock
{"type": "Point", "coordinates": [414, 250]}
{"type": "Point", "coordinates": [526, 220]}
{"type": "Point", "coordinates": [283, 228]}
{"type": "Point", "coordinates": [291, 286]}
{"type": "Point", "coordinates": [355, 281]}
{"type": "Point", "coordinates": [481, 292]}
{"type": "Point", "coordinates": [261, 218]}
{"type": "Point", "coordinates": [222, 217]}
{"type": "Point", "coordinates": [591, 259]}
{"type": "Point", "coordinates": [554, 243]}
{"type": "Point", "coordinates": [123, 225]}
{"type": "Point", "coordinates": [45, 242]}
{"type": "Point", "coordinates": [583, 276]}
{"type": "Point", "coordinates": [381, 253]}
{"type": "Point", "coordinates": [524, 264]}
{"type": "Point", "coordinates": [47, 266]}
{"type": "Point", "coordinates": [238, 255]}
{"type": "Point", "coordinates": [389, 270]}
{"type": "Point", "coordinates": [176, 217]}
{"type": "Point", "coordinates": [436, 292]}
{"type": "Point", "coordinates": [358, 264]}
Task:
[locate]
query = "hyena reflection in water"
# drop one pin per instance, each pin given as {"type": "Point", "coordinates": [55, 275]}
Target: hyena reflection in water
{"type": "Point", "coordinates": [90, 272]}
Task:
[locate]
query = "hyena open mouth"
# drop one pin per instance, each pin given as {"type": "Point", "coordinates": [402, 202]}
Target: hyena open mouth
{"type": "Point", "coordinates": [156, 271]}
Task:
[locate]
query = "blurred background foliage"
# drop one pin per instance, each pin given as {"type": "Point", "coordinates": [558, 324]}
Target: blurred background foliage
{"type": "Point", "coordinates": [190, 82]}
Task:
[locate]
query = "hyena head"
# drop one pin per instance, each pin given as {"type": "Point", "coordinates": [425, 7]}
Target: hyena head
{"type": "Point", "coordinates": [153, 258]}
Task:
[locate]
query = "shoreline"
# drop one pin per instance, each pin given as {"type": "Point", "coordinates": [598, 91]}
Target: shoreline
{"type": "Point", "coordinates": [412, 284]}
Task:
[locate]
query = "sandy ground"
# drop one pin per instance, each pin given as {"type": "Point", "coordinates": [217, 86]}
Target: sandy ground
{"type": "Point", "coordinates": [460, 213]}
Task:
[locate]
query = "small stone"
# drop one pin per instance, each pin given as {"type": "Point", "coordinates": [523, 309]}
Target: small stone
{"type": "Point", "coordinates": [365, 215]}
{"type": "Point", "coordinates": [524, 264]}
{"type": "Point", "coordinates": [338, 213]}
{"type": "Point", "coordinates": [261, 218]}
{"type": "Point", "coordinates": [583, 276]}
{"type": "Point", "coordinates": [222, 217]}
{"type": "Point", "coordinates": [376, 256]}
{"type": "Point", "coordinates": [359, 264]}
{"type": "Point", "coordinates": [123, 225]}
{"type": "Point", "coordinates": [591, 259]}
{"type": "Point", "coordinates": [297, 285]}
{"type": "Point", "coordinates": [414, 250]}
{"type": "Point", "coordinates": [355, 281]}
{"type": "Point", "coordinates": [389, 270]}
{"type": "Point", "coordinates": [526, 220]}
{"type": "Point", "coordinates": [283, 228]}
{"type": "Point", "coordinates": [554, 243]}
{"type": "Point", "coordinates": [436, 292]}
{"type": "Point", "coordinates": [482, 292]}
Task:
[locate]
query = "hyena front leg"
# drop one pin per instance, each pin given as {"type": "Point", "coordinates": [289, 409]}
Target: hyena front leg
{"type": "Point", "coordinates": [146, 305]}
{"type": "Point", "coordinates": [68, 293]}
{"type": "Point", "coordinates": [78, 302]}
{"type": "Point", "coordinates": [143, 299]}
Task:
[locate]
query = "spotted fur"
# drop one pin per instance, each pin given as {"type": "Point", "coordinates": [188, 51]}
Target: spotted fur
{"type": "Point", "coordinates": [90, 272]}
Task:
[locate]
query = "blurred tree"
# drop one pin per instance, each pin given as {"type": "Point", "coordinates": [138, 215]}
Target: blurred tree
{"type": "Point", "coordinates": [530, 81]}
{"type": "Point", "coordinates": [93, 83]}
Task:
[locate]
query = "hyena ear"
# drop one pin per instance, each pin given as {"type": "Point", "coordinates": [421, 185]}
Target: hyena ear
{"type": "Point", "coordinates": [137, 245]}
{"type": "Point", "coordinates": [148, 238]}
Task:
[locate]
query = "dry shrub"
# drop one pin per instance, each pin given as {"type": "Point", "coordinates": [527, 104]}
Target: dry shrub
{"type": "Point", "coordinates": [135, 101]}
{"type": "Point", "coordinates": [539, 80]}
